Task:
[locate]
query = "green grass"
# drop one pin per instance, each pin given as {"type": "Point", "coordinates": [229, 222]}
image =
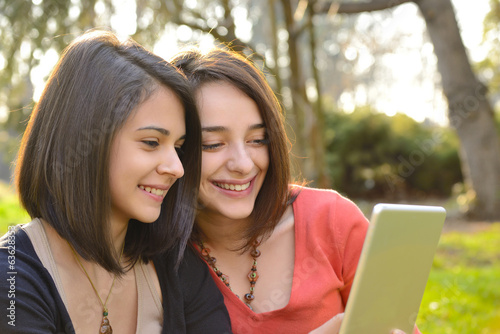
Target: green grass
{"type": "Point", "coordinates": [463, 292]}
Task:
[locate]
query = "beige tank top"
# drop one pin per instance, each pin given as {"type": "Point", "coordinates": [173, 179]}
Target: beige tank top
{"type": "Point", "coordinates": [150, 310]}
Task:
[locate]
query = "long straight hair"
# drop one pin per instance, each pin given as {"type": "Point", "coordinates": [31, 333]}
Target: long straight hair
{"type": "Point", "coordinates": [228, 66]}
{"type": "Point", "coordinates": [62, 172]}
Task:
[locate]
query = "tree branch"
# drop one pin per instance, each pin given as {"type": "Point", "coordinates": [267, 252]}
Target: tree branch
{"type": "Point", "coordinates": [357, 7]}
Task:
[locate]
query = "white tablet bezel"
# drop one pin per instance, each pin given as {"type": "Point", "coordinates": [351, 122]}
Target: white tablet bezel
{"type": "Point", "coordinates": [393, 268]}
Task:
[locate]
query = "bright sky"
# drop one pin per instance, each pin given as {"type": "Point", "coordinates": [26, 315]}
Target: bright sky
{"type": "Point", "coordinates": [408, 83]}
{"type": "Point", "coordinates": [404, 88]}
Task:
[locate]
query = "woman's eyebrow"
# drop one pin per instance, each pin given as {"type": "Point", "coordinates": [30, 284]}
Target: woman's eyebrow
{"type": "Point", "coordinates": [224, 129]}
{"type": "Point", "coordinates": [256, 126]}
{"type": "Point", "coordinates": [163, 131]}
{"type": "Point", "coordinates": [214, 129]}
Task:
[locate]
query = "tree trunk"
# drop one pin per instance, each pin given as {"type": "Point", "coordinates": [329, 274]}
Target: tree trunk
{"type": "Point", "coordinates": [317, 129]}
{"type": "Point", "coordinates": [231, 38]}
{"type": "Point", "coordinates": [348, 7]}
{"type": "Point", "coordinates": [469, 111]}
{"type": "Point", "coordinates": [297, 91]}
{"type": "Point", "coordinates": [273, 18]}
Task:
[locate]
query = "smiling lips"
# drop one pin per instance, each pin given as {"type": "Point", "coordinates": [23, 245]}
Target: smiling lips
{"type": "Point", "coordinates": [154, 191]}
{"type": "Point", "coordinates": [235, 187]}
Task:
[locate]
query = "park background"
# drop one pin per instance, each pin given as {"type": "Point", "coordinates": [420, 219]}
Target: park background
{"type": "Point", "coordinates": [385, 100]}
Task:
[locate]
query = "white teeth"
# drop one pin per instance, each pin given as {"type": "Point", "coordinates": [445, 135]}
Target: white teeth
{"type": "Point", "coordinates": [153, 191]}
{"type": "Point", "coordinates": [235, 187]}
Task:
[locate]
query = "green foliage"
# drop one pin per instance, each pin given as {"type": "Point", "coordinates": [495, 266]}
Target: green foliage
{"type": "Point", "coordinates": [489, 66]}
{"type": "Point", "coordinates": [10, 211]}
{"type": "Point", "coordinates": [29, 30]}
{"type": "Point", "coordinates": [463, 294]}
{"type": "Point", "coordinates": [370, 154]}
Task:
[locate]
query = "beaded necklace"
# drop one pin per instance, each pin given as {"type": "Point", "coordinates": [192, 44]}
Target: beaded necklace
{"type": "Point", "coordinates": [253, 275]}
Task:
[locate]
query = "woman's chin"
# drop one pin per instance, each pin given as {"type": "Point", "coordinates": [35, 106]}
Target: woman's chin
{"type": "Point", "coordinates": [149, 218]}
{"type": "Point", "coordinates": [237, 214]}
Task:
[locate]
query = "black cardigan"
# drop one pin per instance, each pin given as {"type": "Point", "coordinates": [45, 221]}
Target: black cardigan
{"type": "Point", "coordinates": [29, 298]}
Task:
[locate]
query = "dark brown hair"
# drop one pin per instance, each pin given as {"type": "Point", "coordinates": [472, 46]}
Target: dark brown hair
{"type": "Point", "coordinates": [233, 68]}
{"type": "Point", "coordinates": [62, 172]}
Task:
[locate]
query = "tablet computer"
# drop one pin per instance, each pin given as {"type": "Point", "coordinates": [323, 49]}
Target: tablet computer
{"type": "Point", "coordinates": [393, 269]}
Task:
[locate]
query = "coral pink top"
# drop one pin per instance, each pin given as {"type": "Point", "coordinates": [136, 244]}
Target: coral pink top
{"type": "Point", "coordinates": [329, 234]}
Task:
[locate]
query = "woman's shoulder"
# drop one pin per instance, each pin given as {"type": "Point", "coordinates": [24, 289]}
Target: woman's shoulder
{"type": "Point", "coordinates": [191, 292]}
{"type": "Point", "coordinates": [189, 271]}
{"type": "Point", "coordinates": [33, 292]}
{"type": "Point", "coordinates": [189, 274]}
{"type": "Point", "coordinates": [317, 198]}
{"type": "Point", "coordinates": [309, 191]}
{"type": "Point", "coordinates": [17, 241]}
{"type": "Point", "coordinates": [17, 254]}
{"type": "Point", "coordinates": [314, 205]}
{"type": "Point", "coordinates": [168, 261]}
{"type": "Point", "coordinates": [329, 221]}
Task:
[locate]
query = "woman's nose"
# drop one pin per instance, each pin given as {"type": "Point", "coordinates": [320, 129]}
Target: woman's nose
{"type": "Point", "coordinates": [171, 165]}
{"type": "Point", "coordinates": [240, 160]}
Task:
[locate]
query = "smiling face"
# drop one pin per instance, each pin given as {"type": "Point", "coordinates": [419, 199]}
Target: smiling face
{"type": "Point", "coordinates": [235, 155]}
{"type": "Point", "coordinates": [144, 161]}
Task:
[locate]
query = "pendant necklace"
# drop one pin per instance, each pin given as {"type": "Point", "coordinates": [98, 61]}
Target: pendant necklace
{"type": "Point", "coordinates": [253, 275]}
{"type": "Point", "coordinates": [105, 325]}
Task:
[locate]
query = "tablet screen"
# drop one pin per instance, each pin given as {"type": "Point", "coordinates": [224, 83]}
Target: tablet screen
{"type": "Point", "coordinates": [393, 268]}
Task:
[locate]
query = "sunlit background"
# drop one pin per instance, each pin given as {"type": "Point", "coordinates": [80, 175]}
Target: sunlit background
{"type": "Point", "coordinates": [351, 71]}
{"type": "Point", "coordinates": [367, 66]}
{"type": "Point", "coordinates": [405, 80]}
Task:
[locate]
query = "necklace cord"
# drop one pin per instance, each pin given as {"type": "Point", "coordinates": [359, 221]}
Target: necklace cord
{"type": "Point", "coordinates": [253, 275]}
{"type": "Point", "coordinates": [105, 309]}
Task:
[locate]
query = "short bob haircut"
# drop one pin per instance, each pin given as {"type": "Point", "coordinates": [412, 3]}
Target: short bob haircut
{"type": "Point", "coordinates": [231, 67]}
{"type": "Point", "coordinates": [62, 173]}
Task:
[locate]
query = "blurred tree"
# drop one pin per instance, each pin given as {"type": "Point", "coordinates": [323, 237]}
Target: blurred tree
{"type": "Point", "coordinates": [291, 70]}
{"type": "Point", "coordinates": [29, 31]}
{"type": "Point", "coordinates": [469, 110]}
{"type": "Point", "coordinates": [372, 155]}
{"type": "Point", "coordinates": [317, 131]}
{"type": "Point", "coordinates": [489, 67]}
{"type": "Point", "coordinates": [280, 30]}
{"type": "Point", "coordinates": [297, 84]}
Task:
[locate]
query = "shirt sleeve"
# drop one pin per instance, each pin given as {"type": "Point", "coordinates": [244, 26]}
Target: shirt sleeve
{"type": "Point", "coordinates": [350, 228]}
{"type": "Point", "coordinates": [28, 300]}
{"type": "Point", "coordinates": [204, 307]}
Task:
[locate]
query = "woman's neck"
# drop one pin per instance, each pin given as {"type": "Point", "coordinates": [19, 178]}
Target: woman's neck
{"type": "Point", "coordinates": [219, 231]}
{"type": "Point", "coordinates": [118, 230]}
{"type": "Point", "coordinates": [118, 233]}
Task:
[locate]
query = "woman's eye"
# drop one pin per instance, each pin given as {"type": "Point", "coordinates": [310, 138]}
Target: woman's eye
{"type": "Point", "coordinates": [260, 142]}
{"type": "Point", "coordinates": [211, 147]}
{"type": "Point", "coordinates": [151, 143]}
